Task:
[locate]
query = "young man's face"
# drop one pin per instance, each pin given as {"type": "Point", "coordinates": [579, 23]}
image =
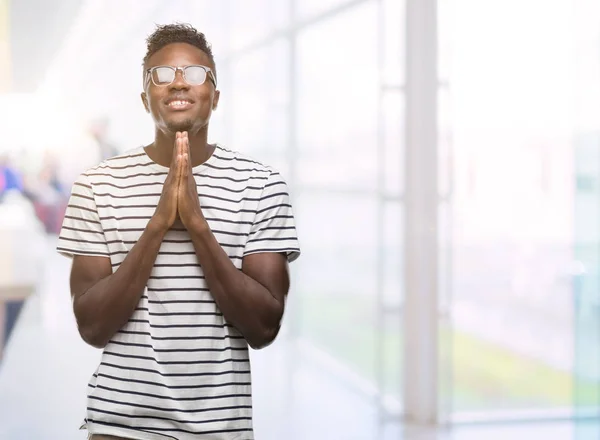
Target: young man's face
{"type": "Point", "coordinates": [180, 106]}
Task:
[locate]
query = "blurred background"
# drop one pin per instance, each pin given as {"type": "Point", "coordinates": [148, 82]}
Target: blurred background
{"type": "Point", "coordinates": [443, 159]}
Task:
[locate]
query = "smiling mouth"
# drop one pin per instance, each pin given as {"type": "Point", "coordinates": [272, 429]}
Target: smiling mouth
{"type": "Point", "coordinates": [179, 104]}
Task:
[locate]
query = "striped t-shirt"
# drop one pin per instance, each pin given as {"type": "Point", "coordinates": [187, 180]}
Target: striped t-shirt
{"type": "Point", "coordinates": [177, 369]}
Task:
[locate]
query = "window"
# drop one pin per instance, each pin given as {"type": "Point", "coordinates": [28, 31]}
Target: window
{"type": "Point", "coordinates": [250, 22]}
{"type": "Point", "coordinates": [258, 102]}
{"type": "Point", "coordinates": [513, 223]}
{"type": "Point", "coordinates": [337, 102]}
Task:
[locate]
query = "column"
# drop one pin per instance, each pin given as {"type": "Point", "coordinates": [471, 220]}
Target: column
{"type": "Point", "coordinates": [421, 225]}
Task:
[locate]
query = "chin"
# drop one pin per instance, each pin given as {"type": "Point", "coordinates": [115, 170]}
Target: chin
{"type": "Point", "coordinates": [184, 125]}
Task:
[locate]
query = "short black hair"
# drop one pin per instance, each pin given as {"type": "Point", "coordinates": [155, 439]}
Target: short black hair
{"type": "Point", "coordinates": [167, 34]}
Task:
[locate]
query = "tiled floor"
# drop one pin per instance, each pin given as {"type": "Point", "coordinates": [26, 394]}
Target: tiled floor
{"type": "Point", "coordinates": [46, 368]}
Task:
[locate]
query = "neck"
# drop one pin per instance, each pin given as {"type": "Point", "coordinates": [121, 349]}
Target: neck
{"type": "Point", "coordinates": [161, 151]}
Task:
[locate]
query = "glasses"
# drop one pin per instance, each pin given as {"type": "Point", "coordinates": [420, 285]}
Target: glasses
{"type": "Point", "coordinates": [194, 75]}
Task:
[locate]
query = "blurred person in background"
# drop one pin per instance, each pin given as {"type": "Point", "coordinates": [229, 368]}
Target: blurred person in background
{"type": "Point", "coordinates": [49, 196]}
{"type": "Point", "coordinates": [10, 176]}
{"type": "Point", "coordinates": [180, 262]}
{"type": "Point", "coordinates": [2, 184]}
{"type": "Point", "coordinates": [99, 131]}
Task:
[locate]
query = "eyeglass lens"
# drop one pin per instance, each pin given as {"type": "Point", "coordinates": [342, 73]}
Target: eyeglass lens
{"type": "Point", "coordinates": [193, 75]}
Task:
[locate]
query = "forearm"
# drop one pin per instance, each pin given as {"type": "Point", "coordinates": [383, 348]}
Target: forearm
{"type": "Point", "coordinates": [245, 303]}
{"type": "Point", "coordinates": [103, 309]}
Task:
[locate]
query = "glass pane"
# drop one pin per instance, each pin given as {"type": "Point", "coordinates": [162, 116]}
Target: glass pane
{"type": "Point", "coordinates": [389, 336]}
{"type": "Point", "coordinates": [584, 271]}
{"type": "Point", "coordinates": [445, 334]}
{"type": "Point", "coordinates": [445, 143]}
{"type": "Point", "coordinates": [393, 132]}
{"type": "Point", "coordinates": [258, 101]}
{"type": "Point", "coordinates": [393, 14]}
{"type": "Point", "coordinates": [512, 205]}
{"type": "Point", "coordinates": [392, 254]}
{"type": "Point", "coordinates": [390, 324]}
{"type": "Point", "coordinates": [338, 309]}
{"type": "Point", "coordinates": [337, 101]}
{"type": "Point", "coordinates": [249, 22]}
{"type": "Point", "coordinates": [306, 9]}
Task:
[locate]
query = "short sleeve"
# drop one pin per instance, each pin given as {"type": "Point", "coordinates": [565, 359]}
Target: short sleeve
{"type": "Point", "coordinates": [81, 232]}
{"type": "Point", "coordinates": [274, 227]}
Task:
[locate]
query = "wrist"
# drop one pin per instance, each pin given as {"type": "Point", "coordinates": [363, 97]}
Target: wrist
{"type": "Point", "coordinates": [156, 227]}
{"type": "Point", "coordinates": [198, 227]}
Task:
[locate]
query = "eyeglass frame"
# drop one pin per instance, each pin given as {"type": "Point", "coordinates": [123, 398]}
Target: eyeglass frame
{"type": "Point", "coordinates": [209, 73]}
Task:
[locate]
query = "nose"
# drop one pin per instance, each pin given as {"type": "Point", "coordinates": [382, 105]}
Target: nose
{"type": "Point", "coordinates": [179, 82]}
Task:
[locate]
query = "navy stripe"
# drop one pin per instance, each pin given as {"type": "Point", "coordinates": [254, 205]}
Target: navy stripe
{"type": "Point", "coordinates": [151, 429]}
{"type": "Point", "coordinates": [200, 410]}
{"type": "Point", "coordinates": [194, 362]}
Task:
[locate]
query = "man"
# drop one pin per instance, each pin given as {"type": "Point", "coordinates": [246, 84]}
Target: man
{"type": "Point", "coordinates": [180, 253]}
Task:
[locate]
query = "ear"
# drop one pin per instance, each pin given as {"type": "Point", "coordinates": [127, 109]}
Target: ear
{"type": "Point", "coordinates": [145, 101]}
{"type": "Point", "coordinates": [216, 99]}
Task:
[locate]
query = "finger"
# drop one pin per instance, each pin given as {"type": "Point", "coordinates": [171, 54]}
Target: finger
{"type": "Point", "coordinates": [185, 166]}
{"type": "Point", "coordinates": [172, 176]}
{"type": "Point", "coordinates": [186, 145]}
{"type": "Point", "coordinates": [173, 166]}
{"type": "Point", "coordinates": [181, 158]}
{"type": "Point", "coordinates": [181, 168]}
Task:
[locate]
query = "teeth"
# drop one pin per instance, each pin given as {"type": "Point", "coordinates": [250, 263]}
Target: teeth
{"type": "Point", "coordinates": [178, 103]}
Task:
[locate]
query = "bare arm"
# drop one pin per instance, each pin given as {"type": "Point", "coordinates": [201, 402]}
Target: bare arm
{"type": "Point", "coordinates": [104, 301]}
{"type": "Point", "coordinates": [253, 299]}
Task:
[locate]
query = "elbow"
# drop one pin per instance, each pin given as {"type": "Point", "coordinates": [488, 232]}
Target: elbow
{"type": "Point", "coordinates": [264, 338]}
{"type": "Point", "coordinates": [91, 335]}
{"type": "Point", "coordinates": [89, 329]}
